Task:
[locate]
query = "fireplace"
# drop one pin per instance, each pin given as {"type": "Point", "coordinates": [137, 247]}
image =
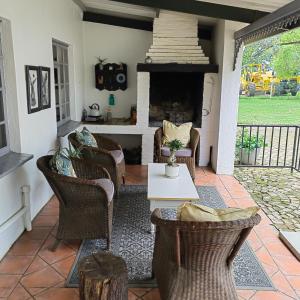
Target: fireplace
{"type": "Point", "coordinates": [177, 97]}
{"type": "Point", "coordinates": [176, 82]}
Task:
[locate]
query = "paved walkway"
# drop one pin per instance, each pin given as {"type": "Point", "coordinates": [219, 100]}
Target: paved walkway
{"type": "Point", "coordinates": [276, 191]}
{"type": "Point", "coordinates": [31, 271]}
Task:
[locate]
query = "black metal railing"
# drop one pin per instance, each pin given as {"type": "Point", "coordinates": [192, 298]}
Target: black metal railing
{"type": "Point", "coordinates": [274, 146]}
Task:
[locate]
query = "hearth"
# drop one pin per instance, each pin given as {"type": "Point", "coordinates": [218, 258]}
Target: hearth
{"type": "Point", "coordinates": [177, 97]}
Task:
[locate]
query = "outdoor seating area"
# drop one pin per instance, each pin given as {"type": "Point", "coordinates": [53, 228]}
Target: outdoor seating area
{"type": "Point", "coordinates": [30, 269]}
{"type": "Point", "coordinates": [200, 253]}
{"type": "Point", "coordinates": [121, 153]}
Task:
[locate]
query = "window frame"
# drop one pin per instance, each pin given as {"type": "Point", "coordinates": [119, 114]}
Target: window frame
{"type": "Point", "coordinates": [5, 149]}
{"type": "Point", "coordinates": [62, 85]}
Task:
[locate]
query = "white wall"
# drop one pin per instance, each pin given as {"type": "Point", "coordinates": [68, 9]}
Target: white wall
{"type": "Point", "coordinates": [117, 44]}
{"type": "Point", "coordinates": [33, 25]}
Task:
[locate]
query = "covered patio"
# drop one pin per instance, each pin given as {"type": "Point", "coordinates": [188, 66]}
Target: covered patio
{"type": "Point", "coordinates": [30, 269]}
{"type": "Point", "coordinates": [54, 59]}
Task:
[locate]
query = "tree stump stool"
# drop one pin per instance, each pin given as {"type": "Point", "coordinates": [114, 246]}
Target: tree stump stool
{"type": "Point", "coordinates": [103, 276]}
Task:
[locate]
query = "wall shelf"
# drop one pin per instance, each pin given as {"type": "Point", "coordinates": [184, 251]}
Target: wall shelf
{"type": "Point", "coordinates": [11, 161]}
{"type": "Point", "coordinates": [67, 128]}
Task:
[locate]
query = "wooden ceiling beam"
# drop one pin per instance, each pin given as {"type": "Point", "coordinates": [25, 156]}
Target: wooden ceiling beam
{"type": "Point", "coordinates": [204, 32]}
{"type": "Point", "coordinates": [117, 21]}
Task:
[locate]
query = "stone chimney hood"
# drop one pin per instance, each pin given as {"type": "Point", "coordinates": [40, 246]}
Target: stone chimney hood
{"type": "Point", "coordinates": [175, 46]}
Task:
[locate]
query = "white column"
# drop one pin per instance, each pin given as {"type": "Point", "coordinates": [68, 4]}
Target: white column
{"type": "Point", "coordinates": [207, 130]}
{"type": "Point", "coordinates": [147, 148]}
{"type": "Point", "coordinates": [143, 89]}
{"type": "Point", "coordinates": [26, 203]}
{"type": "Point", "coordinates": [224, 146]}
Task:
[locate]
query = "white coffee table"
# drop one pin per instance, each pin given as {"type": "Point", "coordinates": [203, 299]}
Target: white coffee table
{"type": "Point", "coordinates": [164, 192]}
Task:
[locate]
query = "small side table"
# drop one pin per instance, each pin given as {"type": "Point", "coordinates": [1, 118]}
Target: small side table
{"type": "Point", "coordinates": [103, 276]}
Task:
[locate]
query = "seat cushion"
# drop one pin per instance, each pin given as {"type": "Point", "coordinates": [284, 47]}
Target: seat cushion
{"type": "Point", "coordinates": [108, 187]}
{"type": "Point", "coordinates": [172, 132]}
{"type": "Point", "coordinates": [200, 213]}
{"type": "Point", "coordinates": [117, 155]}
{"type": "Point", "coordinates": [184, 152]}
{"type": "Point", "coordinates": [85, 137]}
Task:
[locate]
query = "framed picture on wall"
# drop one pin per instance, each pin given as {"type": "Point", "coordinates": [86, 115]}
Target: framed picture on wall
{"type": "Point", "coordinates": [44, 87]}
{"type": "Point", "coordinates": [32, 87]}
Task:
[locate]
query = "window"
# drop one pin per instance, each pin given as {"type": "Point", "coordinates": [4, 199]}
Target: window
{"type": "Point", "coordinates": [4, 147]}
{"type": "Point", "coordinates": [61, 81]}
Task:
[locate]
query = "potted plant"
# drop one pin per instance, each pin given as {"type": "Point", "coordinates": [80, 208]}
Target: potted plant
{"type": "Point", "coordinates": [172, 169]}
{"type": "Point", "coordinates": [248, 147]}
{"type": "Point", "coordinates": [101, 62]}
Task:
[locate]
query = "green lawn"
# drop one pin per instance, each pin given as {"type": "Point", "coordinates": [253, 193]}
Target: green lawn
{"type": "Point", "coordinates": [264, 110]}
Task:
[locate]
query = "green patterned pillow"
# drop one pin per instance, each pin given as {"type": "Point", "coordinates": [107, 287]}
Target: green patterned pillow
{"type": "Point", "coordinates": [61, 164]}
{"type": "Point", "coordinates": [86, 138]}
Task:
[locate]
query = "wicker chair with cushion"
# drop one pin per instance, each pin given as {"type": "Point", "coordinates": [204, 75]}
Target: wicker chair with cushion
{"type": "Point", "coordinates": [185, 155]}
{"type": "Point", "coordinates": [85, 201]}
{"type": "Point", "coordinates": [193, 260]}
{"type": "Point", "coordinates": [108, 154]}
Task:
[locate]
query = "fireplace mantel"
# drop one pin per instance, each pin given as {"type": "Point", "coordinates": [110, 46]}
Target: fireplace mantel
{"type": "Point", "coordinates": [174, 67]}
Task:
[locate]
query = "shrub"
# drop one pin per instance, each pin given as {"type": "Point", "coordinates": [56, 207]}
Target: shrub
{"type": "Point", "coordinates": [249, 143]}
{"type": "Point", "coordinates": [175, 145]}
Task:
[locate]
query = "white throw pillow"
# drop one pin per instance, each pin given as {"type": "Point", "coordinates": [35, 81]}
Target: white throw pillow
{"type": "Point", "coordinates": [181, 132]}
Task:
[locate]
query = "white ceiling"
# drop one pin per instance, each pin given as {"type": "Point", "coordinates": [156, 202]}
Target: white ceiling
{"type": "Point", "coordinates": [116, 8]}
{"type": "Point", "coordinates": [266, 5]}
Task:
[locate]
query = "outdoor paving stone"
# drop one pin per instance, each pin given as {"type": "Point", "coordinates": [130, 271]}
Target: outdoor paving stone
{"type": "Point", "coordinates": [276, 191]}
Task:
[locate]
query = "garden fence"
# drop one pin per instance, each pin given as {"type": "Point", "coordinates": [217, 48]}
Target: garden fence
{"type": "Point", "coordinates": [268, 146]}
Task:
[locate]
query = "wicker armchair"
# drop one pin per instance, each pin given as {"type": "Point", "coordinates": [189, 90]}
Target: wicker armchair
{"type": "Point", "coordinates": [85, 202]}
{"type": "Point", "coordinates": [193, 260]}
{"type": "Point", "coordinates": [108, 154]}
{"type": "Point", "coordinates": [186, 156]}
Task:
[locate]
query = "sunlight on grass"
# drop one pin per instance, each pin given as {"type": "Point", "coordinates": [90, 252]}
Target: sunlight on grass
{"type": "Point", "coordinates": [264, 110]}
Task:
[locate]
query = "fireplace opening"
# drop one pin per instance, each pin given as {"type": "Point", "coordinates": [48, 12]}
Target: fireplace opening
{"type": "Point", "coordinates": [176, 97]}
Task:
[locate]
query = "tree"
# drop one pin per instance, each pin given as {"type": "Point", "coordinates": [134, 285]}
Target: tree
{"type": "Point", "coordinates": [261, 51]}
{"type": "Point", "coordinates": [286, 62]}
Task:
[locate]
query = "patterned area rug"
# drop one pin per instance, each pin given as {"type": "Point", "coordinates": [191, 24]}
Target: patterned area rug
{"type": "Point", "coordinates": [132, 241]}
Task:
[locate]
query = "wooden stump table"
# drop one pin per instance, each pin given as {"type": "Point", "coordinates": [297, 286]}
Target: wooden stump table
{"type": "Point", "coordinates": [103, 276]}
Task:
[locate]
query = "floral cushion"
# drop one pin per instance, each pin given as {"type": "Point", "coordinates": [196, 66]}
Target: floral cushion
{"type": "Point", "coordinates": [61, 164]}
{"type": "Point", "coordinates": [85, 137]}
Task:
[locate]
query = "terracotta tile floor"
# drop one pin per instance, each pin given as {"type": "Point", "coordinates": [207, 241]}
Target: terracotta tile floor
{"type": "Point", "coordinates": [31, 271]}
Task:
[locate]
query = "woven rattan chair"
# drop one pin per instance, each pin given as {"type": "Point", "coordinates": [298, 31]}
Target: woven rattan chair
{"type": "Point", "coordinates": [186, 155]}
{"type": "Point", "coordinates": [108, 154]}
{"type": "Point", "coordinates": [85, 201]}
{"type": "Point", "coordinates": [193, 260]}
